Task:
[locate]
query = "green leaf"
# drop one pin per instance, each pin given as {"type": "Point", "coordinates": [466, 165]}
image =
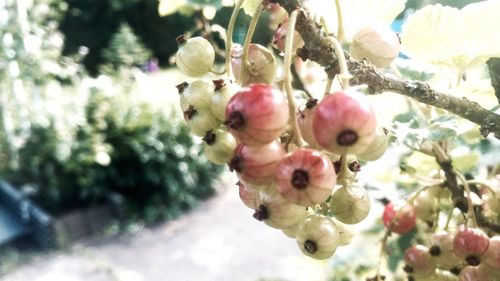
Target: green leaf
{"type": "Point", "coordinates": [443, 127]}
{"type": "Point", "coordinates": [407, 134]}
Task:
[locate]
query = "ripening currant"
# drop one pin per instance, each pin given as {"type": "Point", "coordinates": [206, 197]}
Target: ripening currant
{"type": "Point", "coordinates": [261, 66]}
{"type": "Point", "coordinates": [475, 273]}
{"type": "Point", "coordinates": [305, 177]}
{"type": "Point", "coordinates": [400, 216]}
{"type": "Point", "coordinates": [256, 165]}
{"type": "Point", "coordinates": [305, 122]}
{"type": "Point", "coordinates": [318, 237]}
{"type": "Point", "coordinates": [219, 145]}
{"type": "Point", "coordinates": [377, 44]}
{"type": "Point", "coordinates": [195, 56]}
{"type": "Point", "coordinates": [275, 211]}
{"type": "Point", "coordinates": [344, 123]}
{"type": "Point", "coordinates": [492, 255]}
{"type": "Point", "coordinates": [197, 94]}
{"type": "Point", "coordinates": [350, 204]}
{"type": "Point", "coordinates": [377, 147]}
{"type": "Point", "coordinates": [470, 244]}
{"type": "Point", "coordinates": [419, 261]}
{"type": "Point", "coordinates": [257, 114]}
{"type": "Point", "coordinates": [247, 194]}
{"type": "Point", "coordinates": [279, 38]}
{"type": "Point", "coordinates": [441, 248]}
{"type": "Point", "coordinates": [200, 121]}
{"type": "Point", "coordinates": [224, 90]}
{"type": "Point", "coordinates": [425, 206]}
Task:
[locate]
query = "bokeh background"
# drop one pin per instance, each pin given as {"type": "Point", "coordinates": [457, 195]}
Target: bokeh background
{"type": "Point", "coordinates": [101, 180]}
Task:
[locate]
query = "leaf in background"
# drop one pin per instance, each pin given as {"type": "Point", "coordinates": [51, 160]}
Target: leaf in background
{"type": "Point", "coordinates": [466, 161]}
{"type": "Point", "coordinates": [478, 90]}
{"type": "Point", "coordinates": [413, 71]}
{"type": "Point", "coordinates": [409, 134]}
{"type": "Point", "coordinates": [448, 36]}
{"type": "Point", "coordinates": [357, 13]}
{"type": "Point", "coordinates": [398, 248]}
{"type": "Point", "coordinates": [168, 7]}
{"type": "Point", "coordinates": [443, 127]}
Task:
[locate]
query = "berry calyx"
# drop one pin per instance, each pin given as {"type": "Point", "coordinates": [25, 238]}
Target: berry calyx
{"type": "Point", "coordinates": [344, 123]}
{"type": "Point", "coordinates": [257, 114]}
{"type": "Point", "coordinates": [261, 213]}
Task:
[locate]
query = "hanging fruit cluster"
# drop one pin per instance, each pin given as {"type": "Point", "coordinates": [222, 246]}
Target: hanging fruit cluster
{"type": "Point", "coordinates": [297, 166]}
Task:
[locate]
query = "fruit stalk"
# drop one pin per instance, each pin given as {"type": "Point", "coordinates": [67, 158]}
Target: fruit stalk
{"type": "Point", "coordinates": [287, 78]}
{"type": "Point", "coordinates": [229, 35]}
{"type": "Point", "coordinates": [248, 40]}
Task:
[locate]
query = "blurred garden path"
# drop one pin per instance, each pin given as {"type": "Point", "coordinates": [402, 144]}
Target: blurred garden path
{"type": "Point", "coordinates": [217, 241]}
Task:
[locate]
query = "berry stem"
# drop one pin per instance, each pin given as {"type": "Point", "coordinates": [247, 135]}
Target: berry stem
{"type": "Point", "coordinates": [389, 227]}
{"type": "Point", "coordinates": [345, 173]}
{"type": "Point", "coordinates": [229, 36]}
{"type": "Point", "coordinates": [470, 211]}
{"type": "Point", "coordinates": [340, 22]}
{"type": "Point", "coordinates": [483, 184]}
{"type": "Point", "coordinates": [248, 39]}
{"type": "Point", "coordinates": [448, 219]}
{"type": "Point", "coordinates": [328, 86]}
{"type": "Point", "coordinates": [288, 78]}
{"type": "Point", "coordinates": [344, 75]}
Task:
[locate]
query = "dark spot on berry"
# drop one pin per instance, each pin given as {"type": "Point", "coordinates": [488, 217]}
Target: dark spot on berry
{"type": "Point", "coordinates": [235, 120]}
{"type": "Point", "coordinates": [384, 201]}
{"type": "Point", "coordinates": [181, 87]}
{"type": "Point", "coordinates": [190, 112]}
{"type": "Point", "coordinates": [455, 270]}
{"type": "Point", "coordinates": [311, 246]}
{"type": "Point", "coordinates": [435, 251]}
{"type": "Point", "coordinates": [408, 269]}
{"type": "Point", "coordinates": [473, 260]}
{"type": "Point", "coordinates": [261, 213]}
{"type": "Point", "coordinates": [347, 138]}
{"type": "Point", "coordinates": [300, 179]}
{"type": "Point", "coordinates": [354, 166]}
{"type": "Point", "coordinates": [181, 38]}
{"type": "Point", "coordinates": [337, 166]}
{"type": "Point", "coordinates": [209, 138]}
{"type": "Point", "coordinates": [235, 164]}
{"type": "Point", "coordinates": [311, 103]}
{"type": "Point", "coordinates": [219, 84]}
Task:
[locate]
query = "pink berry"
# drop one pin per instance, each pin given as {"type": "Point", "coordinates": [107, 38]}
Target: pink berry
{"type": "Point", "coordinates": [247, 195]}
{"type": "Point", "coordinates": [474, 273]}
{"type": "Point", "coordinates": [441, 248]}
{"type": "Point", "coordinates": [257, 164]}
{"type": "Point", "coordinates": [305, 122]}
{"type": "Point", "coordinates": [257, 114]}
{"type": "Point", "coordinates": [377, 44]}
{"type": "Point", "coordinates": [402, 221]}
{"type": "Point", "coordinates": [492, 255]}
{"type": "Point", "coordinates": [261, 66]}
{"type": "Point", "coordinates": [275, 211]}
{"type": "Point", "coordinates": [306, 177]}
{"type": "Point", "coordinates": [470, 244]}
{"type": "Point", "coordinates": [279, 39]}
{"type": "Point", "coordinates": [419, 260]}
{"type": "Point", "coordinates": [344, 123]}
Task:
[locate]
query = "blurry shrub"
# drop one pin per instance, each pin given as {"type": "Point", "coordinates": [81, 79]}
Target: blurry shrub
{"type": "Point", "coordinates": [144, 155]}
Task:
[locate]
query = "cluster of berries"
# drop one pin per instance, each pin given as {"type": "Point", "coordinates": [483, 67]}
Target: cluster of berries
{"type": "Point", "coordinates": [467, 255]}
{"type": "Point", "coordinates": [290, 187]}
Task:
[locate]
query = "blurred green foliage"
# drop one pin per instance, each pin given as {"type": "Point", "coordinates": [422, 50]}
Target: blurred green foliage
{"type": "Point", "coordinates": [145, 156]}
